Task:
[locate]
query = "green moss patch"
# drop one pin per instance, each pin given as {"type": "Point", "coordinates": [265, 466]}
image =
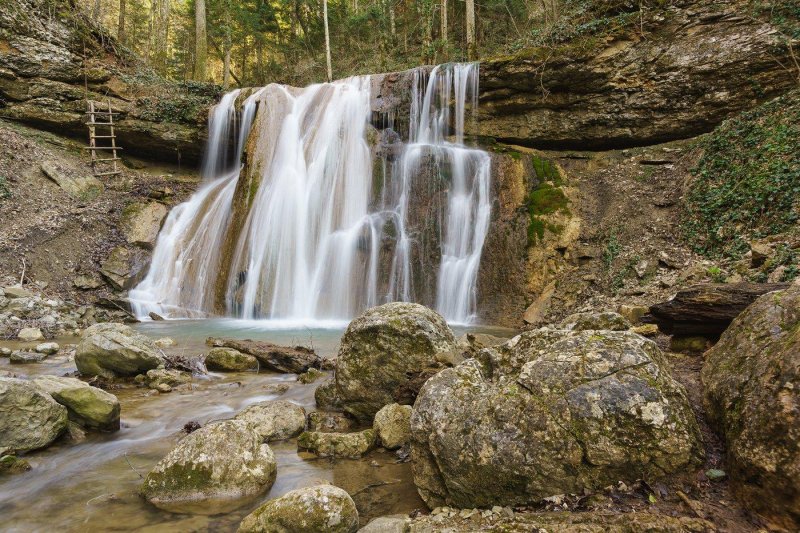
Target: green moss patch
{"type": "Point", "coordinates": [547, 198]}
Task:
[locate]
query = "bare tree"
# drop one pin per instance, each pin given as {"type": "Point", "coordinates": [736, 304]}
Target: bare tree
{"type": "Point", "coordinates": [121, 22]}
{"type": "Point", "coordinates": [327, 40]}
{"type": "Point", "coordinates": [443, 20]}
{"type": "Point", "coordinates": [471, 45]}
{"type": "Point", "coordinates": [200, 41]}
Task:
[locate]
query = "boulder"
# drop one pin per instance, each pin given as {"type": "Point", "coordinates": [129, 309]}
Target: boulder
{"type": "Point", "coordinates": [48, 348]}
{"type": "Point", "coordinates": [214, 469]}
{"type": "Point", "coordinates": [607, 320]}
{"type": "Point", "coordinates": [349, 445]}
{"type": "Point", "coordinates": [80, 187]}
{"type": "Point", "coordinates": [86, 283]}
{"type": "Point", "coordinates": [325, 396]}
{"type": "Point", "coordinates": [329, 422]}
{"type": "Point", "coordinates": [550, 412]}
{"type": "Point", "coordinates": [21, 357]}
{"type": "Point", "coordinates": [29, 418]}
{"type": "Point", "coordinates": [165, 342]}
{"type": "Point", "coordinates": [16, 291]}
{"type": "Point", "coordinates": [141, 222]}
{"type": "Point", "coordinates": [286, 359]}
{"type": "Point", "coordinates": [275, 420]}
{"type": "Point", "coordinates": [111, 349]}
{"type": "Point", "coordinates": [386, 354]}
{"type": "Point", "coordinates": [88, 406]}
{"type": "Point", "coordinates": [164, 380]}
{"type": "Point", "coordinates": [230, 360]}
{"type": "Point", "coordinates": [751, 379]}
{"type": "Point", "coordinates": [125, 268]}
{"type": "Point", "coordinates": [393, 425]}
{"type": "Point", "coordinates": [30, 334]}
{"type": "Point", "coordinates": [321, 508]}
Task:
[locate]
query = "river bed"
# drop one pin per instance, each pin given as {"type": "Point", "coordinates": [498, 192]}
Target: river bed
{"type": "Point", "coordinates": [91, 486]}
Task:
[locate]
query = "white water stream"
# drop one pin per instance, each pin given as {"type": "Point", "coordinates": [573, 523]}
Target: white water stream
{"type": "Point", "coordinates": [310, 247]}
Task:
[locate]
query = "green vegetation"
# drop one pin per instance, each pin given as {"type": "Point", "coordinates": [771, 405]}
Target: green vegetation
{"type": "Point", "coordinates": [546, 198]}
{"type": "Point", "coordinates": [5, 189]}
{"type": "Point", "coordinates": [747, 183]}
{"type": "Point", "coordinates": [611, 250]}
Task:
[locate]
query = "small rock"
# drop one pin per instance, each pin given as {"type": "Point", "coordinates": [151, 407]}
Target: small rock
{"type": "Point", "coordinates": [5, 352]}
{"type": "Point", "coordinates": [310, 376]}
{"type": "Point", "coordinates": [165, 342]}
{"type": "Point", "coordinates": [322, 508]}
{"type": "Point", "coordinates": [48, 348]}
{"type": "Point", "coordinates": [11, 465]}
{"type": "Point", "coordinates": [641, 268]}
{"type": "Point", "coordinates": [164, 380]}
{"type": "Point", "coordinates": [329, 422]}
{"type": "Point", "coordinates": [23, 358]}
{"type": "Point", "coordinates": [30, 334]}
{"type": "Point", "coordinates": [387, 524]}
{"type": "Point", "coordinates": [715, 474]}
{"type": "Point", "coordinates": [349, 445]}
{"type": "Point", "coordinates": [275, 420]}
{"type": "Point", "coordinates": [155, 317]}
{"type": "Point", "coordinates": [393, 425]}
{"type": "Point", "coordinates": [86, 283]}
{"type": "Point", "coordinates": [230, 360]}
{"type": "Point", "coordinates": [646, 330]}
{"type": "Point", "coordinates": [633, 313]}
{"type": "Point", "coordinates": [759, 253]}
{"type": "Point", "coordinates": [16, 291]}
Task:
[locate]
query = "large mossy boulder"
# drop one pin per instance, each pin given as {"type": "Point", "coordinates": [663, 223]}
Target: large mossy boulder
{"type": "Point", "coordinates": [29, 418]}
{"type": "Point", "coordinates": [309, 510]}
{"type": "Point", "coordinates": [275, 420]}
{"type": "Point", "coordinates": [214, 469]}
{"type": "Point", "coordinates": [386, 355]}
{"type": "Point", "coordinates": [752, 395]}
{"type": "Point", "coordinates": [111, 350]}
{"type": "Point", "coordinates": [550, 412]}
{"type": "Point", "coordinates": [88, 406]}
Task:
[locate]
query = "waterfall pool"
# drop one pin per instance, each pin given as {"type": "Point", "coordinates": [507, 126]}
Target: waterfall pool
{"type": "Point", "coordinates": [91, 485]}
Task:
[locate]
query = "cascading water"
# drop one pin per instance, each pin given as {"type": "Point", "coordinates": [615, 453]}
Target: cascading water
{"type": "Point", "coordinates": [311, 245]}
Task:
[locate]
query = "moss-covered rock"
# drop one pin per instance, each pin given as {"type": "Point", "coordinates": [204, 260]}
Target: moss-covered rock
{"type": "Point", "coordinates": [88, 406]}
{"type": "Point", "coordinates": [215, 469]}
{"type": "Point", "coordinates": [393, 425]}
{"type": "Point", "coordinates": [752, 396]}
{"type": "Point", "coordinates": [29, 418]}
{"type": "Point", "coordinates": [386, 354]}
{"type": "Point", "coordinates": [275, 420]}
{"type": "Point", "coordinates": [348, 445]}
{"type": "Point", "coordinates": [230, 360]}
{"type": "Point", "coordinates": [550, 412]}
{"type": "Point", "coordinates": [110, 350]}
{"type": "Point", "coordinates": [606, 320]}
{"type": "Point", "coordinates": [329, 422]}
{"type": "Point", "coordinates": [309, 510]}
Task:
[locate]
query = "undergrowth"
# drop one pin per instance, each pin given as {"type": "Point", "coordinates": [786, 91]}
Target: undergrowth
{"type": "Point", "coordinates": [747, 183]}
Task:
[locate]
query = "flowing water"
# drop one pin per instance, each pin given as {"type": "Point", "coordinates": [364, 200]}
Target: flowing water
{"type": "Point", "coordinates": [91, 485]}
{"type": "Point", "coordinates": [310, 245]}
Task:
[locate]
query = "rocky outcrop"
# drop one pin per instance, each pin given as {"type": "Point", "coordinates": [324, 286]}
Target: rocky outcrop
{"type": "Point", "coordinates": [88, 406]}
{"type": "Point", "coordinates": [125, 267]}
{"type": "Point", "coordinates": [141, 222]}
{"type": "Point", "coordinates": [286, 359]}
{"type": "Point", "coordinates": [110, 350]}
{"type": "Point", "coordinates": [230, 360]}
{"type": "Point", "coordinates": [696, 64]}
{"type": "Point", "coordinates": [386, 354]}
{"type": "Point", "coordinates": [323, 508]}
{"type": "Point", "coordinates": [751, 395]}
{"type": "Point", "coordinates": [29, 418]}
{"type": "Point", "coordinates": [393, 425]}
{"type": "Point", "coordinates": [275, 420]}
{"type": "Point", "coordinates": [347, 445]}
{"type": "Point", "coordinates": [550, 412]}
{"type": "Point", "coordinates": [43, 72]}
{"type": "Point", "coordinates": [214, 469]}
{"type": "Point", "coordinates": [587, 321]}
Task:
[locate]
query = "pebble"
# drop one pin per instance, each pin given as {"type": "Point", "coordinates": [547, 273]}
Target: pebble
{"type": "Point", "coordinates": [715, 474]}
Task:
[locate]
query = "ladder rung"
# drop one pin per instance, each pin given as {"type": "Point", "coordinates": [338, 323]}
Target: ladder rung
{"type": "Point", "coordinates": [103, 113]}
{"type": "Point", "coordinates": [99, 124]}
{"type": "Point", "coordinates": [113, 172]}
{"type": "Point", "coordinates": [102, 148]}
{"type": "Point", "coordinates": [109, 159]}
{"type": "Point", "coordinates": [104, 136]}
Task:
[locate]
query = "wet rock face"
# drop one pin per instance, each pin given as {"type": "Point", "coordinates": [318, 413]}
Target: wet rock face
{"type": "Point", "coordinates": [29, 418]}
{"type": "Point", "coordinates": [275, 420]}
{"type": "Point", "coordinates": [214, 469]}
{"type": "Point", "coordinates": [550, 412]}
{"type": "Point", "coordinates": [322, 508]}
{"type": "Point", "coordinates": [386, 354]}
{"type": "Point", "coordinates": [751, 381]}
{"type": "Point", "coordinates": [111, 350]}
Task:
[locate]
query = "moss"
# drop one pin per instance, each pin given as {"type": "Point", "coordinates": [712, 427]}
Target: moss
{"type": "Point", "coordinates": [178, 478]}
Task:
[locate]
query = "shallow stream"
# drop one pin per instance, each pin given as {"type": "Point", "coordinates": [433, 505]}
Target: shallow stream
{"type": "Point", "coordinates": [91, 486]}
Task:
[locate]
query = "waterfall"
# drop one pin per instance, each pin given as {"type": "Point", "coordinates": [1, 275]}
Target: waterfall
{"type": "Point", "coordinates": [328, 229]}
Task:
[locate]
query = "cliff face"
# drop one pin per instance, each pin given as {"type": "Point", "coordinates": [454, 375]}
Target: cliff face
{"type": "Point", "coordinates": [696, 64]}
{"type": "Point", "coordinates": [52, 59]}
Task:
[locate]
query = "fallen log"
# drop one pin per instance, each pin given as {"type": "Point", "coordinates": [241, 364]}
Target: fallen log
{"type": "Point", "coordinates": [286, 359]}
{"type": "Point", "coordinates": [707, 309]}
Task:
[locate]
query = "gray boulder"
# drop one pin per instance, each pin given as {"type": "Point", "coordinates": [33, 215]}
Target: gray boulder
{"type": "Point", "coordinates": [322, 508]}
{"type": "Point", "coordinates": [213, 470]}
{"type": "Point", "coordinates": [88, 406]}
{"type": "Point", "coordinates": [386, 355]}
{"type": "Point", "coordinates": [275, 420]}
{"type": "Point", "coordinates": [347, 445]}
{"type": "Point", "coordinates": [230, 360]}
{"type": "Point", "coordinates": [110, 350]}
{"type": "Point", "coordinates": [29, 418]}
{"type": "Point", "coordinates": [393, 425]}
{"type": "Point", "coordinates": [607, 320]}
{"type": "Point", "coordinates": [550, 412]}
{"type": "Point", "coordinates": [21, 357]}
{"type": "Point", "coordinates": [48, 348]}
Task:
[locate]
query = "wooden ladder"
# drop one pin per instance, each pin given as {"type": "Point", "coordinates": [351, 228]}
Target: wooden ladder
{"type": "Point", "coordinates": [106, 121]}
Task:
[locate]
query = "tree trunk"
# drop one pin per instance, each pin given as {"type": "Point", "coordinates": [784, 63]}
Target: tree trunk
{"type": "Point", "coordinates": [707, 309]}
{"type": "Point", "coordinates": [159, 36]}
{"type": "Point", "coordinates": [472, 51]}
{"type": "Point", "coordinates": [443, 20]}
{"type": "Point", "coordinates": [200, 41]}
{"type": "Point", "coordinates": [96, 11]}
{"type": "Point", "coordinates": [226, 65]}
{"type": "Point", "coordinates": [121, 22]}
{"type": "Point", "coordinates": [327, 40]}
